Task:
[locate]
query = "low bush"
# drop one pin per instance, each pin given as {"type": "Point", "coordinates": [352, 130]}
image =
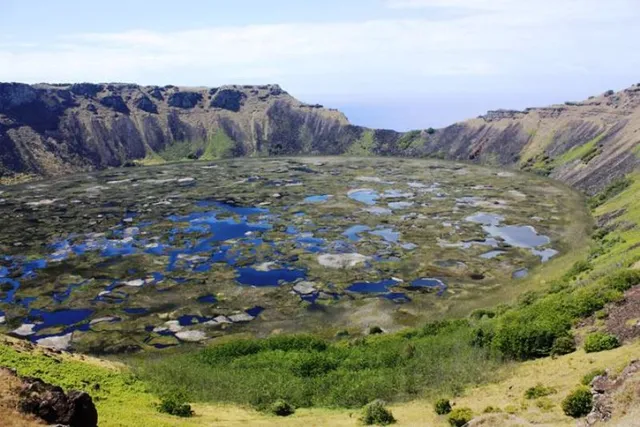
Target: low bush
{"type": "Point", "coordinates": [482, 337]}
{"type": "Point", "coordinates": [527, 298]}
{"type": "Point", "coordinates": [491, 410]}
{"type": "Point", "coordinates": [600, 341]}
{"type": "Point", "coordinates": [563, 345]}
{"type": "Point", "coordinates": [538, 390]}
{"type": "Point", "coordinates": [529, 332]}
{"type": "Point", "coordinates": [375, 413]}
{"type": "Point", "coordinates": [175, 404]}
{"type": "Point", "coordinates": [442, 406]}
{"type": "Point", "coordinates": [578, 403]}
{"type": "Point", "coordinates": [282, 408]}
{"type": "Point", "coordinates": [460, 416]}
{"type": "Point", "coordinates": [375, 330]}
{"type": "Point", "coordinates": [623, 280]}
{"type": "Point", "coordinates": [586, 380]}
{"type": "Point", "coordinates": [545, 404]}
{"type": "Point", "coordinates": [578, 268]}
{"type": "Point", "coordinates": [615, 188]}
{"type": "Point", "coordinates": [480, 313]}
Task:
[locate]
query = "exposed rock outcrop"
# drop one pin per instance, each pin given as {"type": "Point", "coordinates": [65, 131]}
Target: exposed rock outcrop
{"type": "Point", "coordinates": [51, 404]}
{"type": "Point", "coordinates": [55, 129]}
{"type": "Point", "coordinates": [604, 389]}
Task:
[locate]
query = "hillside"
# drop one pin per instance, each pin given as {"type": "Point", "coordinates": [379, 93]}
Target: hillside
{"type": "Point", "coordinates": [56, 129]}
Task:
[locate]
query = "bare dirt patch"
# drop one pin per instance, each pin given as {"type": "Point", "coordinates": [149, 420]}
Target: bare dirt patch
{"type": "Point", "coordinates": [623, 318]}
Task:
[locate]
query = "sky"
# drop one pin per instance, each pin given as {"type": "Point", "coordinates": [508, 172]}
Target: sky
{"type": "Point", "coordinates": [400, 64]}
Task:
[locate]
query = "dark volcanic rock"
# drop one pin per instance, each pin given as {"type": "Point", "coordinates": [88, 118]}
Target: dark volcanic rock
{"type": "Point", "coordinates": [116, 103]}
{"type": "Point", "coordinates": [145, 104]}
{"type": "Point", "coordinates": [86, 89]}
{"type": "Point", "coordinates": [184, 99]}
{"type": "Point", "coordinates": [228, 99]}
{"type": "Point", "coordinates": [51, 404]}
{"type": "Point", "coordinates": [15, 94]}
{"type": "Point", "coordinates": [156, 93]}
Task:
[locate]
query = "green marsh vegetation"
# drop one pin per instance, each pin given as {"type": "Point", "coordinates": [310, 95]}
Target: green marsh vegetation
{"type": "Point", "coordinates": [439, 358]}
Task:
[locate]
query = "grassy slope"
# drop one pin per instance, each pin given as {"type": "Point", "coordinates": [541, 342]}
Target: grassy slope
{"type": "Point", "coordinates": [124, 401]}
{"type": "Point", "coordinates": [218, 146]}
{"type": "Point", "coordinates": [625, 253]}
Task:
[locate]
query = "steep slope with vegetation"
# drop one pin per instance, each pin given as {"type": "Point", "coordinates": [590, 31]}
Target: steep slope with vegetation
{"type": "Point", "coordinates": [56, 129]}
{"type": "Point", "coordinates": [584, 144]}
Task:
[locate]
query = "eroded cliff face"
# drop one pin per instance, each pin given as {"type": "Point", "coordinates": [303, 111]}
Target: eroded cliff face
{"type": "Point", "coordinates": [585, 144]}
{"type": "Point", "coordinates": [56, 129]}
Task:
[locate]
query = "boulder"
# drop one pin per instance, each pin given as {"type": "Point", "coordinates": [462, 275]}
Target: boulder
{"type": "Point", "coordinates": [56, 342]}
{"type": "Point", "coordinates": [191, 336]}
{"type": "Point", "coordinates": [51, 404]}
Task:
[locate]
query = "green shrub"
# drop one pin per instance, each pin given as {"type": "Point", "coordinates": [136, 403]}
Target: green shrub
{"type": "Point", "coordinates": [375, 413]}
{"type": "Point", "coordinates": [442, 326]}
{"type": "Point", "coordinates": [623, 280]}
{"type": "Point", "coordinates": [530, 332]}
{"type": "Point", "coordinates": [538, 390]}
{"type": "Point", "coordinates": [245, 347]}
{"type": "Point", "coordinates": [491, 410]}
{"type": "Point", "coordinates": [175, 404]}
{"type": "Point", "coordinates": [615, 188]}
{"type": "Point", "coordinates": [586, 380]}
{"type": "Point", "coordinates": [342, 333]}
{"type": "Point", "coordinates": [460, 416]}
{"type": "Point", "coordinates": [479, 313]}
{"type": "Point", "coordinates": [578, 268]}
{"type": "Point", "coordinates": [599, 341]}
{"type": "Point", "coordinates": [600, 233]}
{"type": "Point", "coordinates": [375, 330]}
{"type": "Point", "coordinates": [431, 131]}
{"type": "Point", "coordinates": [312, 364]}
{"type": "Point", "coordinates": [482, 337]}
{"type": "Point", "coordinates": [282, 408]}
{"type": "Point", "coordinates": [563, 345]}
{"type": "Point", "coordinates": [527, 298]}
{"type": "Point", "coordinates": [578, 403]}
{"type": "Point", "coordinates": [442, 406]}
{"type": "Point", "coordinates": [586, 301]}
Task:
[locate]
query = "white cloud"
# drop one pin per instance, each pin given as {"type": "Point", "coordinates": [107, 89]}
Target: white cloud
{"type": "Point", "coordinates": [498, 39]}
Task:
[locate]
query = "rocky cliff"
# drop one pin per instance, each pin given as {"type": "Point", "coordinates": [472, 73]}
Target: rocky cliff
{"type": "Point", "coordinates": [54, 129]}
